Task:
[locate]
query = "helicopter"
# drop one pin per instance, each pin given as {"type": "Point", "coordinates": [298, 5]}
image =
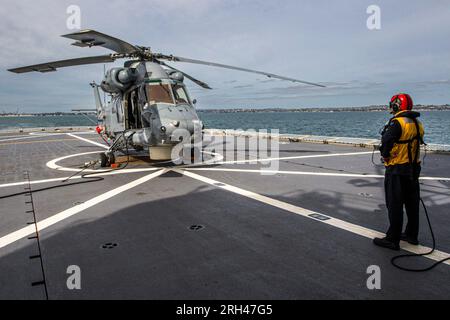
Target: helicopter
{"type": "Point", "coordinates": [150, 106]}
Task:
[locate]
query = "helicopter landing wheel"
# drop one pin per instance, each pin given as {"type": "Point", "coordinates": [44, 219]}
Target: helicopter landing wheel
{"type": "Point", "coordinates": [107, 159]}
{"type": "Point", "coordinates": [103, 160]}
{"type": "Point", "coordinates": [111, 158]}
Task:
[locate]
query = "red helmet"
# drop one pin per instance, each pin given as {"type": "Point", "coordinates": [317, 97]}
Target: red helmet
{"type": "Point", "coordinates": [401, 102]}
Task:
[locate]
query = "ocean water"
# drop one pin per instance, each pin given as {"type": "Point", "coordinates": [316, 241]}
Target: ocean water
{"type": "Point", "coordinates": [7, 123]}
{"type": "Point", "coordinates": [342, 124]}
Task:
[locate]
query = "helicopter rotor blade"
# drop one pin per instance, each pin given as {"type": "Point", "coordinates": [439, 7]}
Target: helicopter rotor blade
{"type": "Point", "coordinates": [213, 64]}
{"type": "Point", "coordinates": [92, 38]}
{"type": "Point", "coordinates": [196, 81]}
{"type": "Point", "coordinates": [52, 66]}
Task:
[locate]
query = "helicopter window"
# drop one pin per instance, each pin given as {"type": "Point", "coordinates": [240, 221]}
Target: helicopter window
{"type": "Point", "coordinates": [159, 93]}
{"type": "Point", "coordinates": [180, 94]}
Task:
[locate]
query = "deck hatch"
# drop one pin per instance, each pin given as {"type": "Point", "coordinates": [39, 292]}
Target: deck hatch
{"type": "Point", "coordinates": [109, 245]}
{"type": "Point", "coordinates": [319, 216]}
{"type": "Point", "coordinates": [196, 227]}
{"type": "Point", "coordinates": [365, 194]}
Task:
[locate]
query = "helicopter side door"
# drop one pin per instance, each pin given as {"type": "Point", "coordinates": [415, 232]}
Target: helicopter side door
{"type": "Point", "coordinates": [114, 116]}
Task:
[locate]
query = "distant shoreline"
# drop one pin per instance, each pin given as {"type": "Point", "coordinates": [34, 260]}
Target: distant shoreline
{"type": "Point", "coordinates": [419, 107]}
{"type": "Point", "coordinates": [344, 109]}
{"type": "Point", "coordinates": [43, 114]}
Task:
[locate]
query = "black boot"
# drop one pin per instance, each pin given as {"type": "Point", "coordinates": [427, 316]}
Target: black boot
{"type": "Point", "coordinates": [409, 239]}
{"type": "Point", "coordinates": [386, 243]}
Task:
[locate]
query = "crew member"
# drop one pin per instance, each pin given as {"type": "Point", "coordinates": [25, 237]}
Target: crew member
{"type": "Point", "coordinates": [400, 151]}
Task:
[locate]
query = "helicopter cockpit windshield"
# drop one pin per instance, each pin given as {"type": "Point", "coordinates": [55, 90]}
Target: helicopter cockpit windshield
{"type": "Point", "coordinates": [159, 93]}
{"type": "Point", "coordinates": [166, 93]}
{"type": "Point", "coordinates": [180, 94]}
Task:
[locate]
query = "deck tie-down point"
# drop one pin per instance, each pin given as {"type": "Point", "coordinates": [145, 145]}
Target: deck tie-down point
{"type": "Point", "coordinates": [196, 227]}
{"type": "Point", "coordinates": [109, 245]}
{"type": "Point", "coordinates": [318, 216]}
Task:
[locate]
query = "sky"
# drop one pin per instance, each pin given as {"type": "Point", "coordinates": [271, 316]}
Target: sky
{"type": "Point", "coordinates": [316, 40]}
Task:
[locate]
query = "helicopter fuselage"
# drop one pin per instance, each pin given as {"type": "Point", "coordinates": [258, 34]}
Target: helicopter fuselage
{"type": "Point", "coordinates": [152, 110]}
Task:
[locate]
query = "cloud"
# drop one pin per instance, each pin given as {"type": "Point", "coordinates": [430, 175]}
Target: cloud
{"type": "Point", "coordinates": [325, 42]}
{"type": "Point", "coordinates": [267, 81]}
{"type": "Point", "coordinates": [330, 88]}
{"type": "Point", "coordinates": [434, 82]}
{"type": "Point", "coordinates": [243, 86]}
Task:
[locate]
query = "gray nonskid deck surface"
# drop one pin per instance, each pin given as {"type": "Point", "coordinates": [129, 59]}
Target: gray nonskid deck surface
{"type": "Point", "coordinates": [247, 249]}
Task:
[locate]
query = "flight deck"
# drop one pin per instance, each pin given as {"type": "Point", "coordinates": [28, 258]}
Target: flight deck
{"type": "Point", "coordinates": [222, 229]}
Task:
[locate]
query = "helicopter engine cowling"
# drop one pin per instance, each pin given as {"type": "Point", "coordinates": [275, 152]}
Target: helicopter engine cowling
{"type": "Point", "coordinates": [176, 75]}
{"type": "Point", "coordinates": [118, 80]}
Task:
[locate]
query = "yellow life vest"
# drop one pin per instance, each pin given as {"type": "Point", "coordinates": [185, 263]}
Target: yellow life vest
{"type": "Point", "coordinates": [407, 149]}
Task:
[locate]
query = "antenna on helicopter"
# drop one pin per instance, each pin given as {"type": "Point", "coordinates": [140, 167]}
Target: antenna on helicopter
{"type": "Point", "coordinates": [104, 93]}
